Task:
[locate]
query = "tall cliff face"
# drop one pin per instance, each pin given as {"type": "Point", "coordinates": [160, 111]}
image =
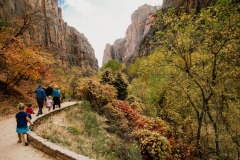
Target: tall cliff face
{"type": "Point", "coordinates": [140, 32]}
{"type": "Point", "coordinates": [114, 51]}
{"type": "Point", "coordinates": [180, 6]}
{"type": "Point", "coordinates": [123, 49]}
{"type": "Point", "coordinates": [52, 33]}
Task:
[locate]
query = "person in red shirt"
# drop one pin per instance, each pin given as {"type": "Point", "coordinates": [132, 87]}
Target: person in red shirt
{"type": "Point", "coordinates": [29, 110]}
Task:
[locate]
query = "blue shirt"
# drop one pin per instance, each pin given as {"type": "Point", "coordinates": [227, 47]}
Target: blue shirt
{"type": "Point", "coordinates": [40, 94]}
{"type": "Point", "coordinates": [56, 93]}
{"type": "Point", "coordinates": [21, 120]}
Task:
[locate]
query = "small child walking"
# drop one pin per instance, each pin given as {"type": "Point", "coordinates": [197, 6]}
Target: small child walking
{"type": "Point", "coordinates": [49, 103]}
{"type": "Point", "coordinates": [22, 127]}
{"type": "Point", "coordinates": [29, 111]}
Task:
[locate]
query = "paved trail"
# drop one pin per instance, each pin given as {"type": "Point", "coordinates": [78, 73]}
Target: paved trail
{"type": "Point", "coordinates": [11, 150]}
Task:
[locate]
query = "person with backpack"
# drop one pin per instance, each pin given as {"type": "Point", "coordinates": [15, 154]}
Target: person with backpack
{"type": "Point", "coordinates": [56, 97]}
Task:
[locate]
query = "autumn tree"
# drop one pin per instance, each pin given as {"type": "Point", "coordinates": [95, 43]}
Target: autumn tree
{"type": "Point", "coordinates": [114, 65]}
{"type": "Point", "coordinates": [112, 74]}
{"type": "Point", "coordinates": [109, 70]}
{"type": "Point", "coordinates": [196, 67]}
{"type": "Point", "coordinates": [18, 59]}
{"type": "Point", "coordinates": [132, 69]}
{"type": "Point", "coordinates": [107, 77]}
{"type": "Point", "coordinates": [64, 76]}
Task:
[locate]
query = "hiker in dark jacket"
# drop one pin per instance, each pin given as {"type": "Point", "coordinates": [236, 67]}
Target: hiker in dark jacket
{"type": "Point", "coordinates": [41, 97]}
{"type": "Point", "coordinates": [56, 97]}
{"type": "Point", "coordinates": [49, 91]}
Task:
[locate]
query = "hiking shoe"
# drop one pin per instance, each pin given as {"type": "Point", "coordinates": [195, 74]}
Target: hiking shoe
{"type": "Point", "coordinates": [19, 141]}
{"type": "Point", "coordinates": [26, 143]}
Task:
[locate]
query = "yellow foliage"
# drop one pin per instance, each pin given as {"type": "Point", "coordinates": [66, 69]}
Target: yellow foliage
{"type": "Point", "coordinates": [154, 143]}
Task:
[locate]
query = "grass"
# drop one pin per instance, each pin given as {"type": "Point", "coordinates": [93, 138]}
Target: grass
{"type": "Point", "coordinates": [81, 130]}
{"type": "Point", "coordinates": [74, 130]}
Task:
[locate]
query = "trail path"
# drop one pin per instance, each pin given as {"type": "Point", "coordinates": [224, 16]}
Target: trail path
{"type": "Point", "coordinates": [11, 150]}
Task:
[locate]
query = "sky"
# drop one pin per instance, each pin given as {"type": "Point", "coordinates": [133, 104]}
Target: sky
{"type": "Point", "coordinates": [102, 21]}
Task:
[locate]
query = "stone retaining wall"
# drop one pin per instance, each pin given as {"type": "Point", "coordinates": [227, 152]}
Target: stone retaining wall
{"type": "Point", "coordinates": [50, 148]}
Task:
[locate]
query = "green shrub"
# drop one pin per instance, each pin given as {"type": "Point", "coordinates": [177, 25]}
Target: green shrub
{"type": "Point", "coordinates": [74, 130]}
{"type": "Point", "coordinates": [86, 106]}
{"type": "Point", "coordinates": [125, 151]}
{"type": "Point", "coordinates": [100, 146]}
{"type": "Point", "coordinates": [117, 123]}
{"type": "Point", "coordinates": [91, 125]}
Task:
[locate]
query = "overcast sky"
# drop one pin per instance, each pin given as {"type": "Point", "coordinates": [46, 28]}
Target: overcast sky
{"type": "Point", "coordinates": [102, 21]}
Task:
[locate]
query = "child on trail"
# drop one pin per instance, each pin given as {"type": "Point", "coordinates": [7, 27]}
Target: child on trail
{"type": "Point", "coordinates": [29, 111]}
{"type": "Point", "coordinates": [49, 103]}
{"type": "Point", "coordinates": [22, 127]}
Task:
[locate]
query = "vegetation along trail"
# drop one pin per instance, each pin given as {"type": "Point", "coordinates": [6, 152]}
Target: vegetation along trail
{"type": "Point", "coordinates": [11, 150]}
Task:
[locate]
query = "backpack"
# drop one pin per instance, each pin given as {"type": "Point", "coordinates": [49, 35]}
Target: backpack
{"type": "Point", "coordinates": [56, 93]}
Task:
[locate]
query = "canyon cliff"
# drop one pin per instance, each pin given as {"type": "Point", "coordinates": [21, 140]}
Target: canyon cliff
{"type": "Point", "coordinates": [51, 32]}
{"type": "Point", "coordinates": [125, 48]}
{"type": "Point", "coordinates": [140, 33]}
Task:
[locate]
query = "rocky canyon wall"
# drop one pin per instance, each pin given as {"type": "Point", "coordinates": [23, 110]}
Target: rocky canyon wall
{"type": "Point", "coordinates": [51, 32]}
{"type": "Point", "coordinates": [140, 33]}
{"type": "Point", "coordinates": [123, 49]}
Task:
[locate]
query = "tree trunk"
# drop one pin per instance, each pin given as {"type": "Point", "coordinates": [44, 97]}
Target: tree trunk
{"type": "Point", "coordinates": [200, 120]}
{"type": "Point", "coordinates": [216, 134]}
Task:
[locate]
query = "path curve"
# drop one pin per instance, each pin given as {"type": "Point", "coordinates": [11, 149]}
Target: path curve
{"type": "Point", "coordinates": [11, 150]}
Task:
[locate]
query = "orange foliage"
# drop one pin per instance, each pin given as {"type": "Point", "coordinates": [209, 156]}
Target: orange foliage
{"type": "Point", "coordinates": [155, 136]}
{"type": "Point", "coordinates": [146, 127]}
{"type": "Point", "coordinates": [141, 121]}
{"type": "Point", "coordinates": [18, 59]}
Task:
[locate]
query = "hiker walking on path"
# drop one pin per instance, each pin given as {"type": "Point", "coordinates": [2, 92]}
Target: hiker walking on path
{"type": "Point", "coordinates": [22, 127]}
{"type": "Point", "coordinates": [49, 103]}
{"type": "Point", "coordinates": [41, 97]}
{"type": "Point", "coordinates": [49, 91]}
{"type": "Point", "coordinates": [56, 97]}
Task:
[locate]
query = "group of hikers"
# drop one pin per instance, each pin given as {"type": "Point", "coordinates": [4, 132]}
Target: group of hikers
{"type": "Point", "coordinates": [50, 96]}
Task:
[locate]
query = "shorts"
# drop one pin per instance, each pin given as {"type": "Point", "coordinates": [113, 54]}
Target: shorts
{"type": "Point", "coordinates": [22, 130]}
